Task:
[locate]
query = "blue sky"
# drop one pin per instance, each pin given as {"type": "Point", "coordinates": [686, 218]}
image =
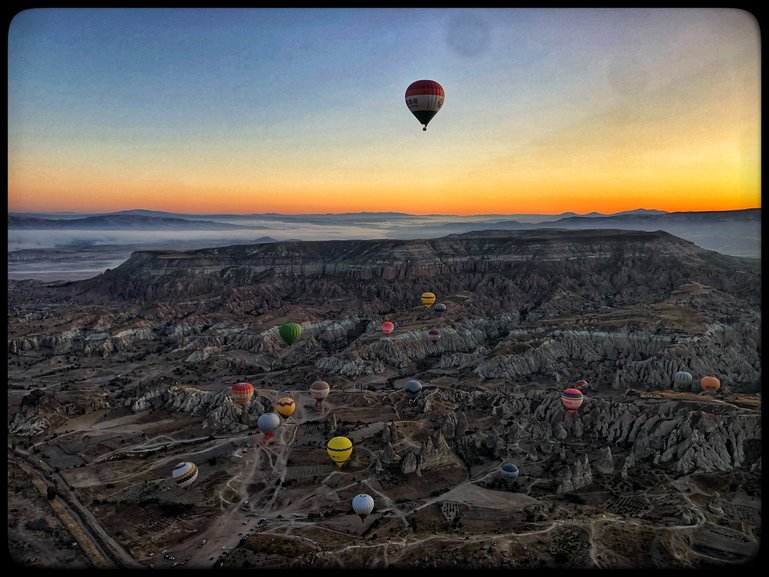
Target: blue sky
{"type": "Point", "coordinates": [249, 110]}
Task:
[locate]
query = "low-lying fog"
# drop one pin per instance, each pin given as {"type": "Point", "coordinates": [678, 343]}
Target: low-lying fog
{"type": "Point", "coordinates": [61, 254]}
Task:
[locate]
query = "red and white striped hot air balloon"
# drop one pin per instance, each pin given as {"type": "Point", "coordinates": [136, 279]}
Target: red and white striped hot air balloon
{"type": "Point", "coordinates": [242, 393]}
{"type": "Point", "coordinates": [424, 99]}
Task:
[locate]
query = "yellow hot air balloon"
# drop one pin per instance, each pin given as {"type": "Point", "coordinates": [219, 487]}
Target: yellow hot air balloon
{"type": "Point", "coordinates": [339, 449]}
{"type": "Point", "coordinates": [285, 406]}
{"type": "Point", "coordinates": [428, 299]}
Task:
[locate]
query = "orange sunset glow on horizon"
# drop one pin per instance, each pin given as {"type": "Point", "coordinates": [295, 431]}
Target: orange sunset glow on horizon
{"type": "Point", "coordinates": [657, 109]}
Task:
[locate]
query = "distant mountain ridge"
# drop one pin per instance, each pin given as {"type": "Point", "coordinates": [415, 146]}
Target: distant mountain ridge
{"type": "Point", "coordinates": [120, 222]}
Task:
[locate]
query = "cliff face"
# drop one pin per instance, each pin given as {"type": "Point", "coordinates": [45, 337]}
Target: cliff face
{"type": "Point", "coordinates": [618, 308]}
{"type": "Point", "coordinates": [540, 273]}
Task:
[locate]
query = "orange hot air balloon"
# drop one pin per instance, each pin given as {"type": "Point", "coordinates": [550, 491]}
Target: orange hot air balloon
{"type": "Point", "coordinates": [242, 393]}
{"type": "Point", "coordinates": [710, 384]}
{"type": "Point", "coordinates": [387, 328]}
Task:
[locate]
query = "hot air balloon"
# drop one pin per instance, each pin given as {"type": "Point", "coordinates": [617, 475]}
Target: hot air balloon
{"type": "Point", "coordinates": [428, 299]}
{"type": "Point", "coordinates": [682, 380]}
{"type": "Point", "coordinates": [387, 328]}
{"type": "Point", "coordinates": [710, 384]}
{"type": "Point", "coordinates": [434, 335]}
{"type": "Point", "coordinates": [509, 473]}
{"type": "Point", "coordinates": [580, 385]}
{"type": "Point", "coordinates": [424, 99]}
{"type": "Point", "coordinates": [285, 406]}
{"type": "Point", "coordinates": [185, 474]}
{"type": "Point", "coordinates": [440, 308]}
{"type": "Point", "coordinates": [319, 391]}
{"type": "Point", "coordinates": [413, 386]}
{"type": "Point", "coordinates": [267, 423]}
{"type": "Point", "coordinates": [242, 393]}
{"type": "Point", "coordinates": [362, 505]}
{"type": "Point", "coordinates": [290, 332]}
{"type": "Point", "coordinates": [339, 449]}
{"type": "Point", "coordinates": [572, 399]}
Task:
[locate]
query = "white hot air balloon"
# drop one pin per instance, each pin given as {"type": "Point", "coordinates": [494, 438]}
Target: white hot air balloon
{"type": "Point", "coordinates": [362, 505]}
{"type": "Point", "coordinates": [267, 423]}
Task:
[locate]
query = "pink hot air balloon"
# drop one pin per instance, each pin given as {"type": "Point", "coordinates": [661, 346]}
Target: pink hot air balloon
{"type": "Point", "coordinates": [572, 399]}
{"type": "Point", "coordinates": [387, 328]}
{"type": "Point", "coordinates": [434, 335]}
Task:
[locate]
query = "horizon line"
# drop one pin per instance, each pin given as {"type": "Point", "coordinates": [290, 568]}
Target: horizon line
{"type": "Point", "coordinates": [10, 212]}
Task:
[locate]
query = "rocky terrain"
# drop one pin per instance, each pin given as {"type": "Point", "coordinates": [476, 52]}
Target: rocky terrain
{"type": "Point", "coordinates": [114, 379]}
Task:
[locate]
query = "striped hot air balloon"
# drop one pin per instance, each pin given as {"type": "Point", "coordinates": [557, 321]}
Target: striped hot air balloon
{"type": "Point", "coordinates": [572, 399]}
{"type": "Point", "coordinates": [434, 335]}
{"type": "Point", "coordinates": [285, 406]}
{"type": "Point", "coordinates": [424, 99]}
{"type": "Point", "coordinates": [242, 393]}
{"type": "Point", "coordinates": [339, 449]}
{"type": "Point", "coordinates": [682, 381]}
{"type": "Point", "coordinates": [440, 308]}
{"type": "Point", "coordinates": [184, 474]}
{"type": "Point", "coordinates": [319, 391]}
{"type": "Point", "coordinates": [387, 328]}
{"type": "Point", "coordinates": [290, 332]}
{"type": "Point", "coordinates": [581, 384]}
{"type": "Point", "coordinates": [427, 299]}
{"type": "Point", "coordinates": [710, 384]}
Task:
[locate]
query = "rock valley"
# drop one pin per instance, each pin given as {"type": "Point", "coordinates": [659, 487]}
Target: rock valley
{"type": "Point", "coordinates": [115, 379]}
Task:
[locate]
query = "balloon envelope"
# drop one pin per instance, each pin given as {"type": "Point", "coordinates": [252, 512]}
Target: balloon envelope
{"type": "Point", "coordinates": [413, 386]}
{"type": "Point", "coordinates": [710, 384]}
{"type": "Point", "coordinates": [580, 385]}
{"type": "Point", "coordinates": [424, 99]}
{"type": "Point", "coordinates": [339, 449]}
{"type": "Point", "coordinates": [267, 423]}
{"type": "Point", "coordinates": [362, 504]}
{"type": "Point", "coordinates": [185, 473]}
{"type": "Point", "coordinates": [440, 308]}
{"type": "Point", "coordinates": [387, 327]}
{"type": "Point", "coordinates": [242, 393]}
{"type": "Point", "coordinates": [290, 332]}
{"type": "Point", "coordinates": [427, 299]}
{"type": "Point", "coordinates": [682, 380]}
{"type": "Point", "coordinates": [509, 472]}
{"type": "Point", "coordinates": [319, 390]}
{"type": "Point", "coordinates": [434, 335]}
{"type": "Point", "coordinates": [572, 399]}
{"type": "Point", "coordinates": [285, 406]}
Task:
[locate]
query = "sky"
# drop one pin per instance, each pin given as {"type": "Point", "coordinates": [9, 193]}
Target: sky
{"type": "Point", "coordinates": [302, 110]}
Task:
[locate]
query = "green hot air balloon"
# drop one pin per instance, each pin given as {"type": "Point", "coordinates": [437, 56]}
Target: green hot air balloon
{"type": "Point", "coordinates": [290, 332]}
